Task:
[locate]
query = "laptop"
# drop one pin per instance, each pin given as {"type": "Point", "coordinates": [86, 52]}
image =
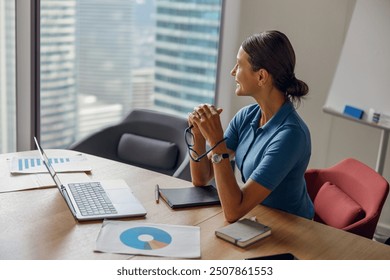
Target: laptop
{"type": "Point", "coordinates": [94, 200]}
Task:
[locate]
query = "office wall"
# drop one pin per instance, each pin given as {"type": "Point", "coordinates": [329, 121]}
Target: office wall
{"type": "Point", "coordinates": [317, 29]}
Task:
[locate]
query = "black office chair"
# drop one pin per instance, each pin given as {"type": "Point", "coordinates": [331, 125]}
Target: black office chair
{"type": "Point", "coordinates": [145, 138]}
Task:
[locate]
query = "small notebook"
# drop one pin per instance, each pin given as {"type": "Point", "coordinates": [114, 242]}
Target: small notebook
{"type": "Point", "coordinates": [243, 232]}
{"type": "Point", "coordinates": [190, 196]}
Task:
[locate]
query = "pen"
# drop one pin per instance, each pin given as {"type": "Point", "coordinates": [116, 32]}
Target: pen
{"type": "Point", "coordinates": [157, 193]}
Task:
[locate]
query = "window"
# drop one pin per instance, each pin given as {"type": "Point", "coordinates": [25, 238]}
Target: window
{"type": "Point", "coordinates": [100, 59]}
{"type": "Point", "coordinates": [7, 77]}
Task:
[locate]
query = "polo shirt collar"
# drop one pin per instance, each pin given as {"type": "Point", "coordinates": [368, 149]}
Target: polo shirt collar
{"type": "Point", "coordinates": [276, 120]}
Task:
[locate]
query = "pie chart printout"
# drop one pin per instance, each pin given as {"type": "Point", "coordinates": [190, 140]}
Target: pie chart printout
{"type": "Point", "coordinates": [145, 238]}
{"type": "Point", "coordinates": [148, 239]}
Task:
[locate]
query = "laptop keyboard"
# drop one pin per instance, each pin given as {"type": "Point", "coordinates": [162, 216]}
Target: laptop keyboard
{"type": "Point", "coordinates": [92, 199]}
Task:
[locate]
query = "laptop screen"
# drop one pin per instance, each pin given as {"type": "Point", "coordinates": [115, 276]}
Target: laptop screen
{"type": "Point", "coordinates": [47, 163]}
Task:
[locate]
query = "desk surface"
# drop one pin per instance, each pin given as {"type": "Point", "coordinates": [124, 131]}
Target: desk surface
{"type": "Point", "coordinates": [36, 224]}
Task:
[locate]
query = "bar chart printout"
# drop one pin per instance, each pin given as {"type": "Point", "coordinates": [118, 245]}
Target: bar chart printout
{"type": "Point", "coordinates": [24, 164]}
{"type": "Point", "coordinates": [32, 164]}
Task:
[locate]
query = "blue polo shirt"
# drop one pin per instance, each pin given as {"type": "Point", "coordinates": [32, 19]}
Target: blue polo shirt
{"type": "Point", "coordinates": [275, 155]}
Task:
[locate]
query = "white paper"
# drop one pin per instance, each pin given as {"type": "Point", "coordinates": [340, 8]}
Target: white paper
{"type": "Point", "coordinates": [30, 164]}
{"type": "Point", "coordinates": [135, 238]}
{"type": "Point", "coordinates": [24, 181]}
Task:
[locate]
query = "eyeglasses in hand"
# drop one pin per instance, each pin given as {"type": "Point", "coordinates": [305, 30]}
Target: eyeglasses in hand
{"type": "Point", "coordinates": [190, 141]}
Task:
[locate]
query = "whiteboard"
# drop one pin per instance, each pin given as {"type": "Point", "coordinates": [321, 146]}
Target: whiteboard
{"type": "Point", "coordinates": [362, 77]}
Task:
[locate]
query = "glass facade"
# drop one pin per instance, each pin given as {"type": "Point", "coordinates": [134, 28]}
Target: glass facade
{"type": "Point", "coordinates": [100, 59]}
{"type": "Point", "coordinates": [104, 58]}
{"type": "Point", "coordinates": [187, 41]}
{"type": "Point", "coordinates": [58, 73]}
{"type": "Point", "coordinates": [7, 77]}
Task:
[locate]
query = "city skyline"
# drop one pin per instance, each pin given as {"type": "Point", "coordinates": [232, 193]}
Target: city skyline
{"type": "Point", "coordinates": [100, 59]}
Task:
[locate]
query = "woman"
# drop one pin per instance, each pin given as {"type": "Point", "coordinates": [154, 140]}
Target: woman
{"type": "Point", "coordinates": [270, 142]}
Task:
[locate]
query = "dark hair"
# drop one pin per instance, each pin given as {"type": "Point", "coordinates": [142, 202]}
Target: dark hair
{"type": "Point", "coordinates": [272, 51]}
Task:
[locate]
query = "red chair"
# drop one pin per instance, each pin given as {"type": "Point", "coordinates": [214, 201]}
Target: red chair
{"type": "Point", "coordinates": [349, 196]}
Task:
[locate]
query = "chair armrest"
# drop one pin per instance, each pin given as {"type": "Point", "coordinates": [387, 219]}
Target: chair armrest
{"type": "Point", "coordinates": [312, 183]}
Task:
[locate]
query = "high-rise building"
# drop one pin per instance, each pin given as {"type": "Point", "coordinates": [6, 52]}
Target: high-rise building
{"type": "Point", "coordinates": [58, 83]}
{"type": "Point", "coordinates": [104, 50]}
{"type": "Point", "coordinates": [186, 54]}
{"type": "Point", "coordinates": [7, 77]}
{"type": "Point", "coordinates": [142, 88]}
{"type": "Point", "coordinates": [94, 115]}
{"type": "Point", "coordinates": [86, 49]}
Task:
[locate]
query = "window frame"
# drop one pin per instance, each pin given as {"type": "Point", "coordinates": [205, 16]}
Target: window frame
{"type": "Point", "coordinates": [27, 73]}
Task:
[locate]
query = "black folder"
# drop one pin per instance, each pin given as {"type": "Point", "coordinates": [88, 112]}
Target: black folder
{"type": "Point", "coordinates": [190, 196]}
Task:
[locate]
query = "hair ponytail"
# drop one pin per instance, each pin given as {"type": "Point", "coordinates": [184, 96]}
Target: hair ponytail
{"type": "Point", "coordinates": [273, 51]}
{"type": "Point", "coordinates": [296, 90]}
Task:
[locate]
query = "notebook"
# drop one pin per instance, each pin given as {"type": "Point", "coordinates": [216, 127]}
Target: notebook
{"type": "Point", "coordinates": [190, 196]}
{"type": "Point", "coordinates": [109, 198]}
{"type": "Point", "coordinates": [243, 232]}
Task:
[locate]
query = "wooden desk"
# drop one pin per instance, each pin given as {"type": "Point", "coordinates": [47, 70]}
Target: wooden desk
{"type": "Point", "coordinates": [36, 224]}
